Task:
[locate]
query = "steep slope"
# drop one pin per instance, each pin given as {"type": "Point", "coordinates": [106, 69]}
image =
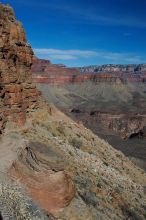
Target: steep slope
{"type": "Point", "coordinates": [108, 185]}
{"type": "Point", "coordinates": [67, 171]}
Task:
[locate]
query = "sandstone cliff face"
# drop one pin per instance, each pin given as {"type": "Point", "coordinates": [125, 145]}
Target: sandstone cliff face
{"type": "Point", "coordinates": [17, 93]}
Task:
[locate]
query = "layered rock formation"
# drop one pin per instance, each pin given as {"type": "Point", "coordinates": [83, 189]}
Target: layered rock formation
{"type": "Point", "coordinates": [18, 95]}
{"type": "Point", "coordinates": [45, 66]}
{"type": "Point", "coordinates": [126, 125]}
{"type": "Point", "coordinates": [109, 68]}
{"type": "Point", "coordinates": [43, 171]}
{"type": "Point", "coordinates": [46, 72]}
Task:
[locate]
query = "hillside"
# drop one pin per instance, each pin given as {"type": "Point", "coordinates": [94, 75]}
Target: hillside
{"type": "Point", "coordinates": [50, 166]}
{"type": "Point", "coordinates": [115, 112]}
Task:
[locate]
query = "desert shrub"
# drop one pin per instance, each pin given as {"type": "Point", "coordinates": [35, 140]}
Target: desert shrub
{"type": "Point", "coordinates": [82, 181]}
{"type": "Point", "coordinates": [131, 214]}
{"type": "Point", "coordinates": [89, 198]}
{"type": "Point", "coordinates": [76, 142]}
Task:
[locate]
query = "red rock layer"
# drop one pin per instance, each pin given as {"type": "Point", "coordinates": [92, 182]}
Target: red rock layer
{"type": "Point", "coordinates": [17, 93]}
{"type": "Point", "coordinates": [46, 67]}
{"type": "Point", "coordinates": [46, 72]}
{"type": "Point", "coordinates": [43, 172]}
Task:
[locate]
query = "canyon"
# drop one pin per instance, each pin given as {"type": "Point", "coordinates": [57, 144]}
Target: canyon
{"type": "Point", "coordinates": [111, 99]}
{"type": "Point", "coordinates": [51, 166]}
{"type": "Point", "coordinates": [44, 72]}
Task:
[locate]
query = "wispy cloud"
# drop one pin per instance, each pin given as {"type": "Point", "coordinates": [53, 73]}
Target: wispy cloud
{"type": "Point", "coordinates": [63, 57]}
{"type": "Point", "coordinates": [89, 16]}
{"type": "Point", "coordinates": [112, 57]}
{"type": "Point", "coordinates": [121, 57]}
{"type": "Point", "coordinates": [65, 54]}
{"type": "Point", "coordinates": [97, 19]}
{"type": "Point", "coordinates": [78, 54]}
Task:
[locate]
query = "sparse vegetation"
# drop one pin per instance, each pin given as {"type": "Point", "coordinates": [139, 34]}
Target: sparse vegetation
{"type": "Point", "coordinates": [15, 205]}
{"type": "Point", "coordinates": [131, 214]}
{"type": "Point", "coordinates": [89, 198]}
{"type": "Point", "coordinates": [77, 143]}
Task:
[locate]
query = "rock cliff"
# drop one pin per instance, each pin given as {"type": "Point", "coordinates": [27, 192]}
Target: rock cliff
{"type": "Point", "coordinates": [18, 95]}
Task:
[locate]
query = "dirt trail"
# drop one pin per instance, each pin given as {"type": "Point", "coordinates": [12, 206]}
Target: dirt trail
{"type": "Point", "coordinates": [9, 150]}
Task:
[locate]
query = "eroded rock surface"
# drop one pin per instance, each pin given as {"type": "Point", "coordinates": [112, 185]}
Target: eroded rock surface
{"type": "Point", "coordinates": [43, 172]}
{"type": "Point", "coordinates": [18, 95]}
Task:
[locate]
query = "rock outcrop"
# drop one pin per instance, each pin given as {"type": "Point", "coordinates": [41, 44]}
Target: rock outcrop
{"type": "Point", "coordinates": [18, 95]}
{"type": "Point", "coordinates": [43, 172]}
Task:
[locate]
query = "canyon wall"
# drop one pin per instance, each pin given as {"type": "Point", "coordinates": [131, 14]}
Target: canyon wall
{"type": "Point", "coordinates": [126, 125]}
{"type": "Point", "coordinates": [18, 95]}
{"type": "Point", "coordinates": [46, 72]}
{"type": "Point", "coordinates": [129, 68]}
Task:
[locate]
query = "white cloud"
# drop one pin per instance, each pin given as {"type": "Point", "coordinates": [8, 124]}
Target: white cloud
{"type": "Point", "coordinates": [87, 15]}
{"type": "Point", "coordinates": [65, 54]}
{"type": "Point", "coordinates": [62, 57]}
{"type": "Point", "coordinates": [86, 54]}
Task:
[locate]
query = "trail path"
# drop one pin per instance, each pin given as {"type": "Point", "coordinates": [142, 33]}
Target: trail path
{"type": "Point", "coordinates": [9, 149]}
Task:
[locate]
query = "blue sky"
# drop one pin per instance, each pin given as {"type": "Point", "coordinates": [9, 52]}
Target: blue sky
{"type": "Point", "coordinates": [85, 32]}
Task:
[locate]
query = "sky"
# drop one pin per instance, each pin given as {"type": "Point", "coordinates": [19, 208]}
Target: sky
{"type": "Point", "coordinates": [85, 32]}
